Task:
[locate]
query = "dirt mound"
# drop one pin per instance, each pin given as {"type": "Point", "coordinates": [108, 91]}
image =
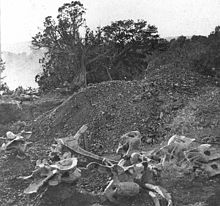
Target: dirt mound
{"type": "Point", "coordinates": [113, 108]}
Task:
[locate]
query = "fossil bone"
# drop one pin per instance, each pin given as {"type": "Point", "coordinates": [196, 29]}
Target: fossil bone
{"type": "Point", "coordinates": [72, 143]}
{"type": "Point", "coordinates": [53, 174]}
{"type": "Point", "coordinates": [129, 143]}
{"type": "Point", "coordinates": [212, 168]}
{"type": "Point", "coordinates": [204, 153]}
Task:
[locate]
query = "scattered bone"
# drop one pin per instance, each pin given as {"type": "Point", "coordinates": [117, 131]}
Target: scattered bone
{"type": "Point", "coordinates": [204, 153]}
{"type": "Point", "coordinates": [16, 143]}
{"type": "Point", "coordinates": [34, 187]}
{"type": "Point", "coordinates": [52, 174]}
{"type": "Point", "coordinates": [116, 188]}
{"type": "Point", "coordinates": [176, 146]}
{"type": "Point", "coordinates": [127, 175]}
{"type": "Point", "coordinates": [183, 149]}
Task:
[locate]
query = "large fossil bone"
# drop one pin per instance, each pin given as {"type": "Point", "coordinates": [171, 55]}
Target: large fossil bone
{"type": "Point", "coordinates": [122, 184]}
{"type": "Point", "coordinates": [72, 143]}
{"type": "Point", "coordinates": [177, 144]}
{"type": "Point", "coordinates": [116, 189]}
{"type": "Point", "coordinates": [53, 174]}
{"type": "Point", "coordinates": [125, 181]}
{"type": "Point", "coordinates": [204, 153]}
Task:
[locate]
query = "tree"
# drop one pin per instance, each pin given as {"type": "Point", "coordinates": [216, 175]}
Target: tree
{"type": "Point", "coordinates": [68, 53]}
{"type": "Point", "coordinates": [208, 63]}
{"type": "Point", "coordinates": [63, 45]}
{"type": "Point", "coordinates": [129, 44]}
{"type": "Point", "coordinates": [116, 51]}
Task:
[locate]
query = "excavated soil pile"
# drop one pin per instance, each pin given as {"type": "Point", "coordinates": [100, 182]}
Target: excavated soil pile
{"type": "Point", "coordinates": [113, 108]}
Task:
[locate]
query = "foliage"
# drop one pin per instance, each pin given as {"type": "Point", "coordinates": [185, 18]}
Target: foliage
{"type": "Point", "coordinates": [129, 45]}
{"type": "Point", "coordinates": [63, 43]}
{"type": "Point", "coordinates": [4, 88]}
{"type": "Point", "coordinates": [198, 53]}
{"type": "Point", "coordinates": [2, 68]}
{"type": "Point", "coordinates": [2, 65]}
{"type": "Point", "coordinates": [209, 62]}
{"type": "Point", "coordinates": [19, 91]}
{"type": "Point", "coordinates": [79, 55]}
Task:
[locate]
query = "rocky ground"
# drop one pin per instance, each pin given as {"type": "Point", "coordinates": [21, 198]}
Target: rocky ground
{"type": "Point", "coordinates": [169, 101]}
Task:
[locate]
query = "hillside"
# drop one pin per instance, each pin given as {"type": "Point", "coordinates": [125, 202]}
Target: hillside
{"type": "Point", "coordinates": [169, 101]}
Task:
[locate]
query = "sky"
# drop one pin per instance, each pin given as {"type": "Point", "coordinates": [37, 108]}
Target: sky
{"type": "Point", "coordinates": [21, 19]}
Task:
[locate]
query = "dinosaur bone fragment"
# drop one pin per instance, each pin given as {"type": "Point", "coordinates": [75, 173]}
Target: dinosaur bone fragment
{"type": "Point", "coordinates": [72, 143]}
{"type": "Point", "coordinates": [161, 191]}
{"type": "Point", "coordinates": [53, 174]}
{"type": "Point", "coordinates": [204, 153]}
{"type": "Point", "coordinates": [129, 143]}
{"type": "Point", "coordinates": [34, 187]}
{"type": "Point", "coordinates": [16, 143]}
{"type": "Point", "coordinates": [116, 189]}
{"type": "Point", "coordinates": [212, 168]}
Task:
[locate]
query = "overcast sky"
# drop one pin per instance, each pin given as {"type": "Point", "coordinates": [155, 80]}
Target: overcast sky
{"type": "Point", "coordinates": [21, 18]}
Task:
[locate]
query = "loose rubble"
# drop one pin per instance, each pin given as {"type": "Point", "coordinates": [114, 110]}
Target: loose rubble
{"type": "Point", "coordinates": [136, 170]}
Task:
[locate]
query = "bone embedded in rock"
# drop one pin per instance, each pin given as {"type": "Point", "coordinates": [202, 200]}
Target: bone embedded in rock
{"type": "Point", "coordinates": [110, 192]}
{"type": "Point", "coordinates": [129, 143]}
{"type": "Point", "coordinates": [154, 198]}
{"type": "Point", "coordinates": [212, 168]}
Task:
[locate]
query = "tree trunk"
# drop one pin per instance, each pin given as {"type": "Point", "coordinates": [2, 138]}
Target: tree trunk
{"type": "Point", "coordinates": [83, 70]}
{"type": "Point", "coordinates": [108, 73]}
{"type": "Point", "coordinates": [80, 79]}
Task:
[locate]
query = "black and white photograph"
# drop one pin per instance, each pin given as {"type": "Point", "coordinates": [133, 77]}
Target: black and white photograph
{"type": "Point", "coordinates": [109, 103]}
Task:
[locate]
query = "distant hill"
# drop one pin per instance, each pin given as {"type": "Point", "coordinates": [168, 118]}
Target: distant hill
{"type": "Point", "coordinates": [175, 37]}
{"type": "Point", "coordinates": [17, 47]}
